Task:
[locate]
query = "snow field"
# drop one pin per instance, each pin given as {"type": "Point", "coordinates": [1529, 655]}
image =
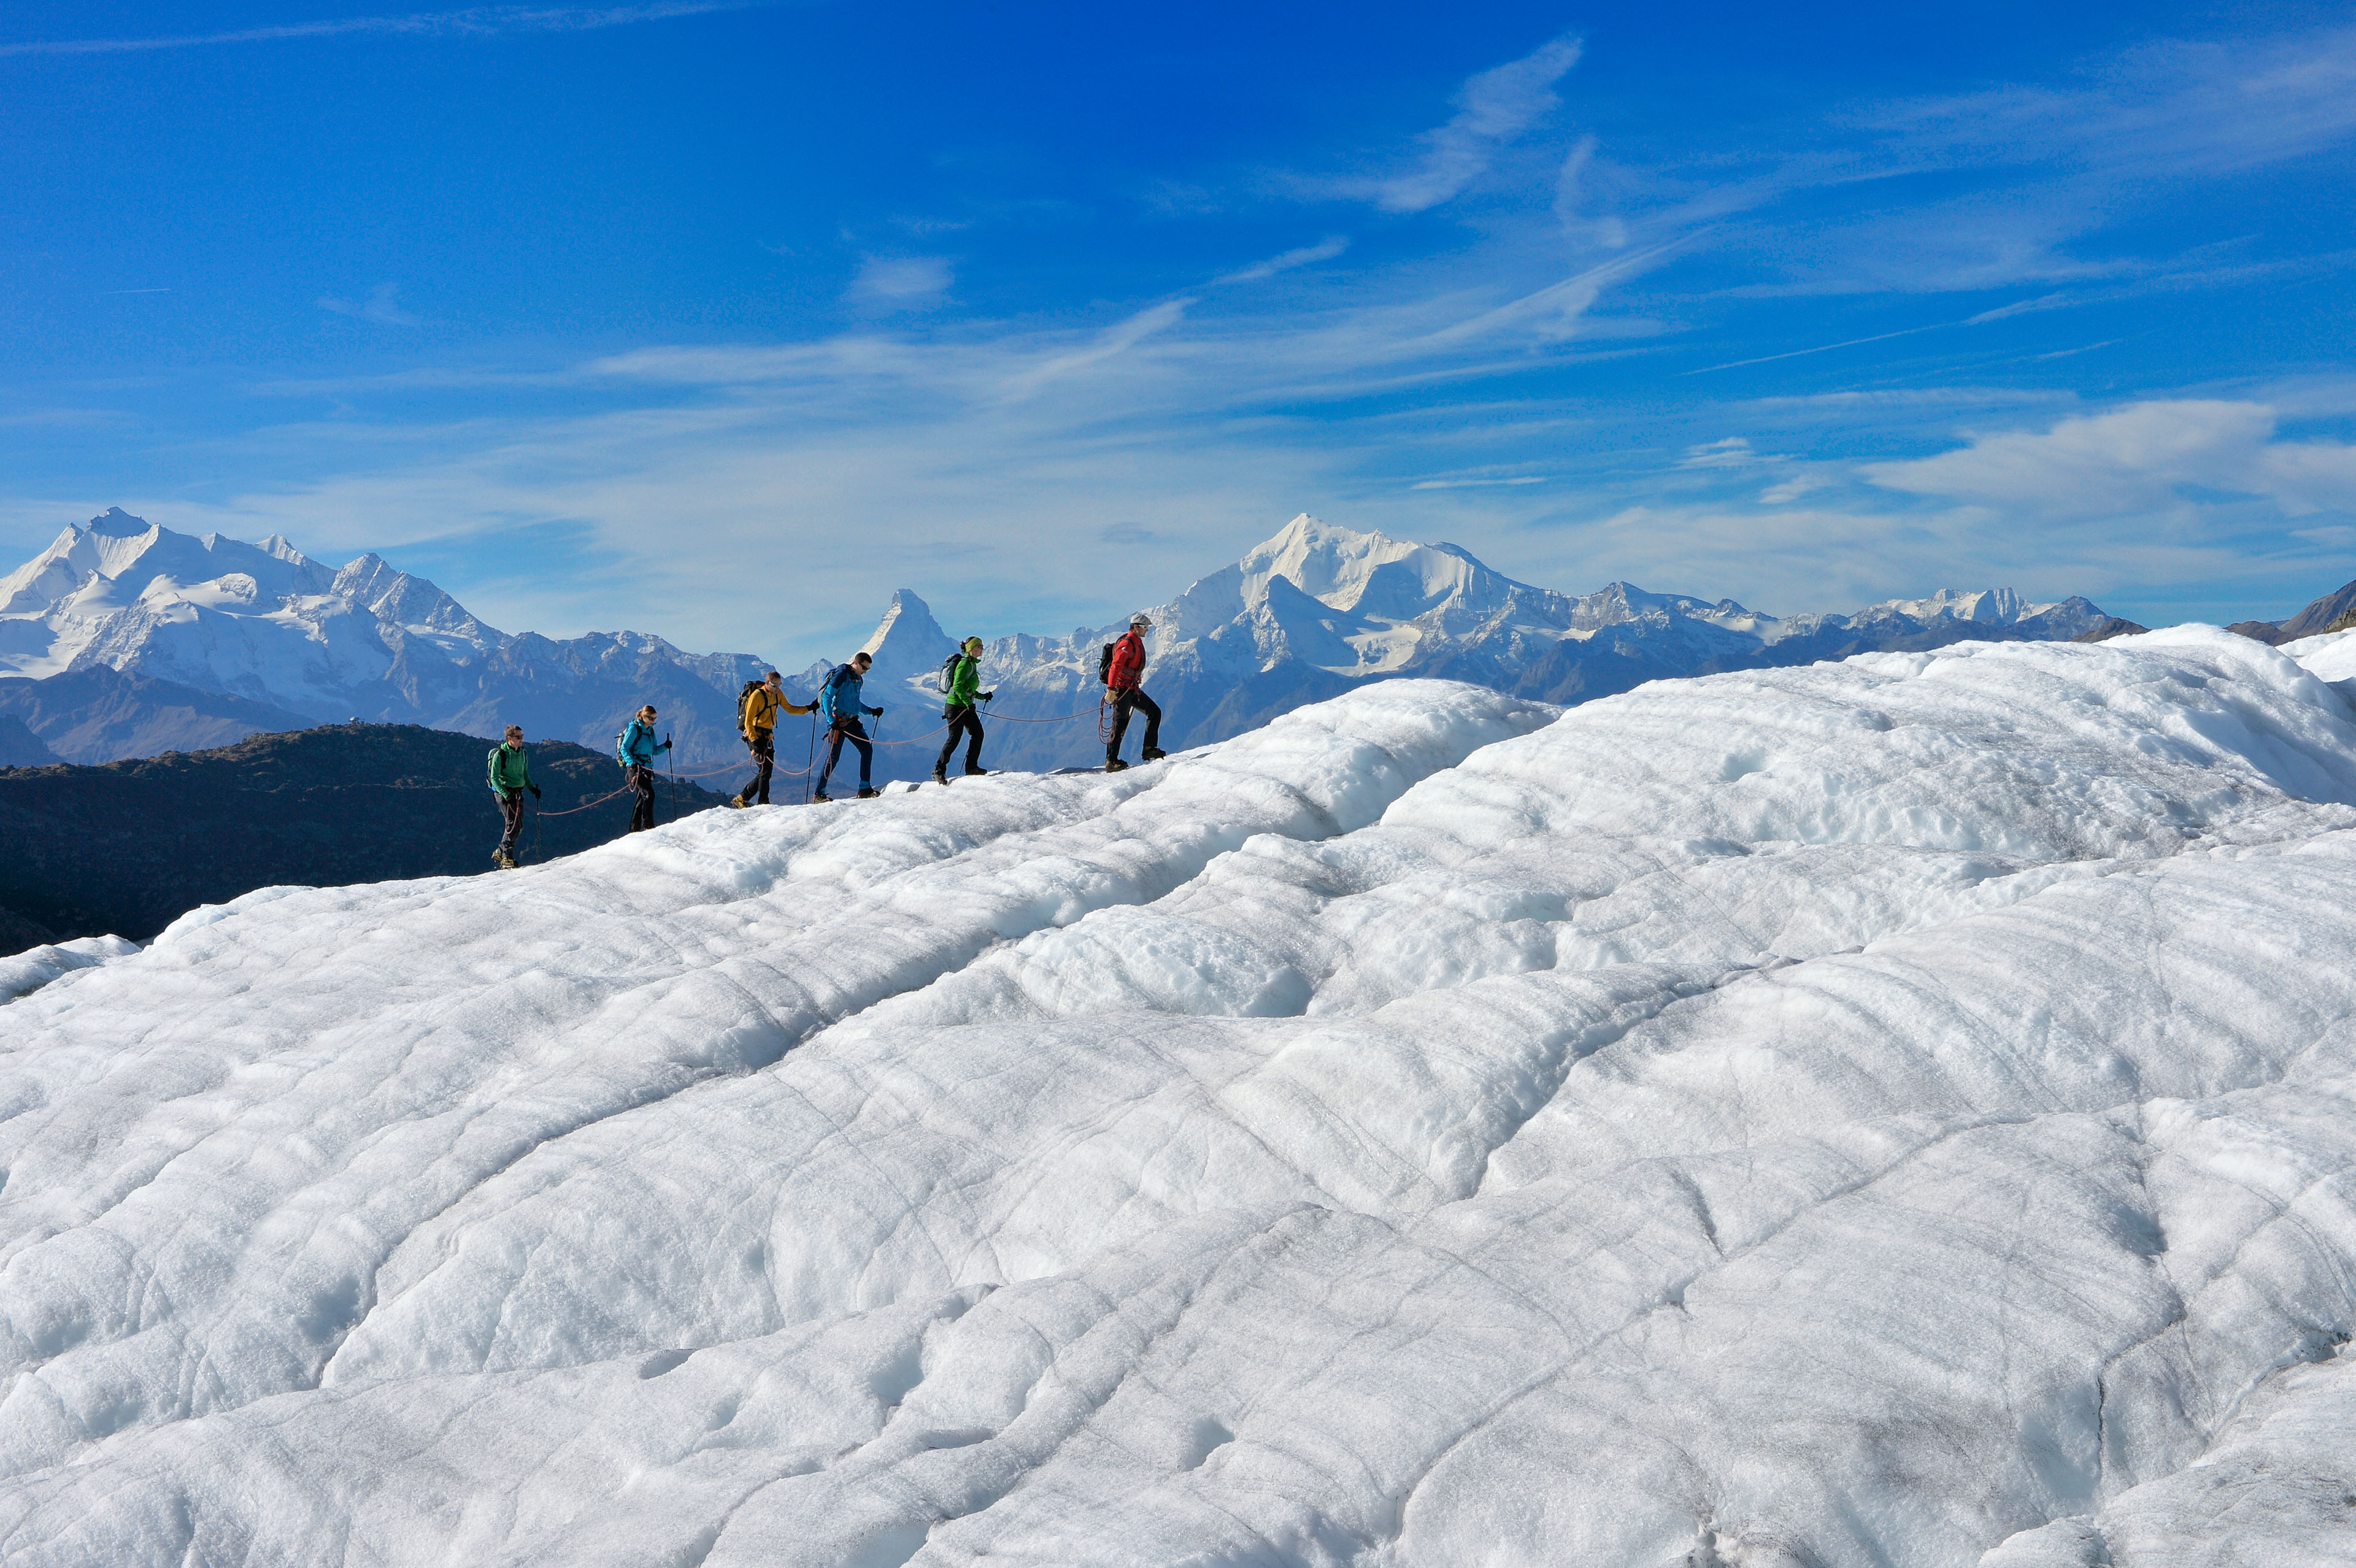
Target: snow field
{"type": "Point", "coordinates": [1869, 1114]}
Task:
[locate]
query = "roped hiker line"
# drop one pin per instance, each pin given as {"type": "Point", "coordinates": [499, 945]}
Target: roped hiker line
{"type": "Point", "coordinates": [809, 766]}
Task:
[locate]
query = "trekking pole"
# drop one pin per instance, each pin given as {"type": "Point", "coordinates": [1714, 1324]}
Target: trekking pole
{"type": "Point", "coordinates": [674, 775]}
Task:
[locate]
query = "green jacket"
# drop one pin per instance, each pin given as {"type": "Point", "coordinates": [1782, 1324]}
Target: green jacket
{"type": "Point", "coordinates": [965, 681]}
{"type": "Point", "coordinates": [510, 771]}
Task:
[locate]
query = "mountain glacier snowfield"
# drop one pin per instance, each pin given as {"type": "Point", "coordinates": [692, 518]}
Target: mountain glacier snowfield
{"type": "Point", "coordinates": [1896, 1111]}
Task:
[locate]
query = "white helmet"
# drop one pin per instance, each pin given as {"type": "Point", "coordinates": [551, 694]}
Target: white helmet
{"type": "Point", "coordinates": [1139, 622]}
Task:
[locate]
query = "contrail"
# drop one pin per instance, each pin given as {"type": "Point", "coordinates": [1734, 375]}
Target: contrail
{"type": "Point", "coordinates": [475, 20]}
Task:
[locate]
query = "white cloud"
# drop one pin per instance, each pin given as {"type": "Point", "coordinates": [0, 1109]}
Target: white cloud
{"type": "Point", "coordinates": [1325, 250]}
{"type": "Point", "coordinates": [886, 283]}
{"type": "Point", "coordinates": [2141, 458]}
{"type": "Point", "coordinates": [2175, 107]}
{"type": "Point", "coordinates": [382, 306]}
{"type": "Point", "coordinates": [1574, 185]}
{"type": "Point", "coordinates": [1732, 452]}
{"type": "Point", "coordinates": [1789, 490]}
{"type": "Point", "coordinates": [474, 21]}
{"type": "Point", "coordinates": [1492, 110]}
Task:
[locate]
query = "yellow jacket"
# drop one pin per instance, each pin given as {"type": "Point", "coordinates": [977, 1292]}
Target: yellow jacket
{"type": "Point", "coordinates": [760, 715]}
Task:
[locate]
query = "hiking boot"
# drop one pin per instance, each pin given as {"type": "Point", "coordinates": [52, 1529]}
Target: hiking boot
{"type": "Point", "coordinates": [976, 773]}
{"type": "Point", "coordinates": [737, 801]}
{"type": "Point", "coordinates": [1153, 754]}
{"type": "Point", "coordinates": [940, 775]}
{"type": "Point", "coordinates": [821, 798]}
{"type": "Point", "coordinates": [866, 794]}
{"type": "Point", "coordinates": [1115, 765]}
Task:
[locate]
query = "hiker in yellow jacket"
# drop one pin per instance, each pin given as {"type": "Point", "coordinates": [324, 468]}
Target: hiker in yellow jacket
{"type": "Point", "coordinates": [756, 715]}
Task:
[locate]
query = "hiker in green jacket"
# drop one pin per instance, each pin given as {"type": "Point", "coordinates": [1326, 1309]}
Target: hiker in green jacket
{"type": "Point", "coordinates": [963, 709]}
{"type": "Point", "coordinates": [510, 776]}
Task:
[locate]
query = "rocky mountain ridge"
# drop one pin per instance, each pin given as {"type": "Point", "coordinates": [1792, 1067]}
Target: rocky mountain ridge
{"type": "Point", "coordinates": [1317, 608]}
{"type": "Point", "coordinates": [233, 639]}
{"type": "Point", "coordinates": [125, 638]}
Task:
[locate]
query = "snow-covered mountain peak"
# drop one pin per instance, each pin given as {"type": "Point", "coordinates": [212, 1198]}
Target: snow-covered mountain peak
{"type": "Point", "coordinates": [407, 601]}
{"type": "Point", "coordinates": [907, 643]}
{"type": "Point", "coordinates": [116, 523]}
{"type": "Point", "coordinates": [1328, 563]}
{"type": "Point", "coordinates": [266, 624]}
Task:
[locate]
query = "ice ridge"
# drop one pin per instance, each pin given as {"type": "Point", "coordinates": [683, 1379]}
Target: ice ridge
{"type": "Point", "coordinates": [1888, 1112]}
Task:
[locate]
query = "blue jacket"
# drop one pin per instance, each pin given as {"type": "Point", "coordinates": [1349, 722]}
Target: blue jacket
{"type": "Point", "coordinates": [843, 695]}
{"type": "Point", "coordinates": [636, 748]}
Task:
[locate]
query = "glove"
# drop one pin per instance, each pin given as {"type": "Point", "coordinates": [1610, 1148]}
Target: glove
{"type": "Point", "coordinates": [877, 712]}
{"type": "Point", "coordinates": [535, 791]}
{"type": "Point", "coordinates": [987, 695]}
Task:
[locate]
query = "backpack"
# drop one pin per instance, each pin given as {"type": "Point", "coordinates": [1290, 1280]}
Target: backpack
{"type": "Point", "coordinates": [1104, 664]}
{"type": "Point", "coordinates": [621, 735]}
{"type": "Point", "coordinates": [744, 703]}
{"type": "Point", "coordinates": [829, 691]}
{"type": "Point", "coordinates": [949, 668]}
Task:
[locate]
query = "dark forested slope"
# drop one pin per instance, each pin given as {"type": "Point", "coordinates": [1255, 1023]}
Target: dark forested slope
{"type": "Point", "coordinates": [128, 846]}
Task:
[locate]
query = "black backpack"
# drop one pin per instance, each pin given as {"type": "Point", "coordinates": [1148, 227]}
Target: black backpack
{"type": "Point", "coordinates": [1104, 664]}
{"type": "Point", "coordinates": [743, 718]}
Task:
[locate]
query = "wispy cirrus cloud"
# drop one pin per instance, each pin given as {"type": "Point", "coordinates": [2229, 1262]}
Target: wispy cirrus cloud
{"type": "Point", "coordinates": [1492, 110]}
{"type": "Point", "coordinates": [1325, 250]}
{"type": "Point", "coordinates": [382, 306]}
{"type": "Point", "coordinates": [2172, 106]}
{"type": "Point", "coordinates": [2137, 460]}
{"type": "Point", "coordinates": [886, 283]}
{"type": "Point", "coordinates": [475, 21]}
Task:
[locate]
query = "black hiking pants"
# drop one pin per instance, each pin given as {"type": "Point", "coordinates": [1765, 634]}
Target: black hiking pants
{"type": "Point", "coordinates": [849, 730]}
{"type": "Point", "coordinates": [642, 815]}
{"type": "Point", "coordinates": [511, 811]}
{"type": "Point", "coordinates": [963, 720]}
{"type": "Point", "coordinates": [765, 757]}
{"type": "Point", "coordinates": [1123, 700]}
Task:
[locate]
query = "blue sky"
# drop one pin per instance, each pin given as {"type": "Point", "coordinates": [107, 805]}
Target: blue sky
{"type": "Point", "coordinates": [722, 321]}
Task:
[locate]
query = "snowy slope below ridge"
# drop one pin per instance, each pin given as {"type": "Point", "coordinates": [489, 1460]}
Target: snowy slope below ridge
{"type": "Point", "coordinates": [1316, 609]}
{"type": "Point", "coordinates": [1881, 1112]}
{"type": "Point", "coordinates": [271, 632]}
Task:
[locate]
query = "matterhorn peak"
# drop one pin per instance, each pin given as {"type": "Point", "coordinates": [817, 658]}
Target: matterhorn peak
{"type": "Point", "coordinates": [907, 641]}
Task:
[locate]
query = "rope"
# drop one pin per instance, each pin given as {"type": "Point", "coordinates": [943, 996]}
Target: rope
{"type": "Point", "coordinates": [1059, 718]}
{"type": "Point", "coordinates": [583, 805]}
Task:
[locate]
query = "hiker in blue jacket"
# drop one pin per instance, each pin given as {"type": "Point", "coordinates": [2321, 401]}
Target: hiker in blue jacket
{"type": "Point", "coordinates": [842, 701]}
{"type": "Point", "coordinates": [636, 752]}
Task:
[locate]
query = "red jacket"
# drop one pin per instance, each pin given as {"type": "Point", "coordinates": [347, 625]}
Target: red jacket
{"type": "Point", "coordinates": [1127, 662]}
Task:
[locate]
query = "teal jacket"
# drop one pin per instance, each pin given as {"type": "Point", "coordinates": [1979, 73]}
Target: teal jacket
{"type": "Point", "coordinates": [638, 746]}
{"type": "Point", "coordinates": [510, 770]}
{"type": "Point", "coordinates": [965, 681]}
{"type": "Point", "coordinates": [844, 694]}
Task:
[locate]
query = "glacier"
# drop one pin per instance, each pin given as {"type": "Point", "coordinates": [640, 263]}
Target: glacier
{"type": "Point", "coordinates": [1891, 1112]}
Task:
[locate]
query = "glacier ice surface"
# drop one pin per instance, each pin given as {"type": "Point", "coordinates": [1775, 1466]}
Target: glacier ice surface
{"type": "Point", "coordinates": [1895, 1112]}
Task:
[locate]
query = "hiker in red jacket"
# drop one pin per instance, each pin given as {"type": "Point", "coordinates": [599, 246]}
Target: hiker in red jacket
{"type": "Point", "coordinates": [1121, 689]}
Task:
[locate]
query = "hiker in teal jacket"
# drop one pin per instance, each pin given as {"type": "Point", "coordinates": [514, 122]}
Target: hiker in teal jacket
{"type": "Point", "coordinates": [636, 752]}
{"type": "Point", "coordinates": [842, 699]}
{"type": "Point", "coordinates": [963, 711]}
{"type": "Point", "coordinates": [510, 776]}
